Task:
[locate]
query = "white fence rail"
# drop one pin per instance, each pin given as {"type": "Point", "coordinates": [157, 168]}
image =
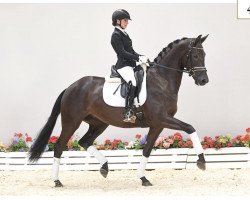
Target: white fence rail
{"type": "Point", "coordinates": [237, 157]}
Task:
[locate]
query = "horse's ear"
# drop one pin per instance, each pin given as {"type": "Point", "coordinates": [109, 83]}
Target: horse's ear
{"type": "Point", "coordinates": [197, 40]}
{"type": "Point", "coordinates": [204, 38]}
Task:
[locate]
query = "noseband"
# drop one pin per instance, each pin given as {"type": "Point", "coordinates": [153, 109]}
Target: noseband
{"type": "Point", "coordinates": [192, 70]}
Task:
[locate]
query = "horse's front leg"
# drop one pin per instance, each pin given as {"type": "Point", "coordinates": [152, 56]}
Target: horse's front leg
{"type": "Point", "coordinates": [173, 123]}
{"type": "Point", "coordinates": [151, 138]}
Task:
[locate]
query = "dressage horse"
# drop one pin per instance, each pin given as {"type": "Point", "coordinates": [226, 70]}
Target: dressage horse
{"type": "Point", "coordinates": [83, 101]}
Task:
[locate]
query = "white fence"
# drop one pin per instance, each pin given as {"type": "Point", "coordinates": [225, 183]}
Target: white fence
{"type": "Point", "coordinates": [237, 157]}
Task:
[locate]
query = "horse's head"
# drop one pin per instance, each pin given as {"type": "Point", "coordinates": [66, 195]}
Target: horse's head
{"type": "Point", "coordinates": [194, 60]}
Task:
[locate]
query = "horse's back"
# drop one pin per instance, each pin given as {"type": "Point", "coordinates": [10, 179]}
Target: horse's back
{"type": "Point", "coordinates": [83, 88]}
{"type": "Point", "coordinates": [87, 81]}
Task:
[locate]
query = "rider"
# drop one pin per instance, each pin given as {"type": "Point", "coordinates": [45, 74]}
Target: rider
{"type": "Point", "coordinates": [127, 57]}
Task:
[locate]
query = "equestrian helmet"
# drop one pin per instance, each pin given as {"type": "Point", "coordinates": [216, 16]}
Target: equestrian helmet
{"type": "Point", "coordinates": [120, 14]}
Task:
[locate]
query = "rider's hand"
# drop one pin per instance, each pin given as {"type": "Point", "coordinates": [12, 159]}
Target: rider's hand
{"type": "Point", "coordinates": [143, 59]}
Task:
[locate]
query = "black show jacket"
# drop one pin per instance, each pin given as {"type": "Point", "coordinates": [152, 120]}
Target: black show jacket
{"type": "Point", "coordinates": [122, 44]}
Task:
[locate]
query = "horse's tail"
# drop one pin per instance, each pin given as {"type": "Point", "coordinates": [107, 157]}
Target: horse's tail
{"type": "Point", "coordinates": [41, 141]}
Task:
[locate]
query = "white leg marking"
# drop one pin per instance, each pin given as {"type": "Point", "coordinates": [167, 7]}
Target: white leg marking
{"type": "Point", "coordinates": [55, 170]}
{"type": "Point", "coordinates": [97, 154]}
{"type": "Point", "coordinates": [196, 143]}
{"type": "Point", "coordinates": [142, 166]}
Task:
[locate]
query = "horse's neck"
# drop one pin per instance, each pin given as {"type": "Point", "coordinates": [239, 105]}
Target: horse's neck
{"type": "Point", "coordinates": [171, 76]}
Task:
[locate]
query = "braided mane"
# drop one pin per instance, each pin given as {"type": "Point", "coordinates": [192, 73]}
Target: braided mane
{"type": "Point", "coordinates": [167, 49]}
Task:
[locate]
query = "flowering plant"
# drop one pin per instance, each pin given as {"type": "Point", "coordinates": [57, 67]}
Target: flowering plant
{"type": "Point", "coordinates": [28, 140]}
{"type": "Point", "coordinates": [108, 145]}
{"type": "Point", "coordinates": [138, 143]}
{"type": "Point", "coordinates": [20, 143]}
{"type": "Point", "coordinates": [51, 143]}
{"type": "Point", "coordinates": [73, 145]}
{"type": "Point", "coordinates": [218, 142]}
{"type": "Point", "coordinates": [242, 140]}
{"type": "Point", "coordinates": [172, 141]}
{"type": "Point", "coordinates": [207, 142]}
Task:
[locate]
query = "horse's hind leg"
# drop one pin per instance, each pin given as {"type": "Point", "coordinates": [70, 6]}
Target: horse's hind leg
{"type": "Point", "coordinates": [96, 128]}
{"type": "Point", "coordinates": [68, 129]}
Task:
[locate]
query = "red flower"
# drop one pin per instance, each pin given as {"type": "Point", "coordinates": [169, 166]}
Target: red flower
{"type": "Point", "coordinates": [248, 130]}
{"type": "Point", "coordinates": [53, 139]}
{"type": "Point", "coordinates": [111, 147]}
{"type": "Point", "coordinates": [229, 144]}
{"type": "Point", "coordinates": [28, 139]}
{"type": "Point", "coordinates": [107, 142]}
{"type": "Point", "coordinates": [239, 137]}
{"type": "Point", "coordinates": [137, 136]}
{"type": "Point", "coordinates": [235, 140]}
{"type": "Point", "coordinates": [19, 135]}
{"type": "Point", "coordinates": [245, 138]}
{"type": "Point", "coordinates": [210, 143]}
{"type": "Point", "coordinates": [101, 147]}
{"type": "Point", "coordinates": [116, 142]}
{"type": "Point", "coordinates": [177, 136]}
{"type": "Point", "coordinates": [180, 143]}
{"type": "Point", "coordinates": [207, 138]}
{"type": "Point", "coordinates": [189, 143]}
{"type": "Point", "coordinates": [204, 146]}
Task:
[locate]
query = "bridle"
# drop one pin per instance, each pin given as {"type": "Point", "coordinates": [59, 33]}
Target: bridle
{"type": "Point", "coordinates": [191, 71]}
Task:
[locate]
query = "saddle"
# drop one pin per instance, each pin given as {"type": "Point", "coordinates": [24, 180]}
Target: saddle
{"type": "Point", "coordinates": [139, 74]}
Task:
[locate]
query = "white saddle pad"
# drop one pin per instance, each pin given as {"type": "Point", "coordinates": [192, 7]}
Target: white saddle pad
{"type": "Point", "coordinates": [116, 100]}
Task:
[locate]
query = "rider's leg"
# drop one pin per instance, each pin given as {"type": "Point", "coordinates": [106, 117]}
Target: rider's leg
{"type": "Point", "coordinates": [129, 115]}
{"type": "Point", "coordinates": [127, 74]}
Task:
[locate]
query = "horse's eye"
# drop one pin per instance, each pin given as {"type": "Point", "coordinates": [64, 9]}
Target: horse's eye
{"type": "Point", "coordinates": [195, 56]}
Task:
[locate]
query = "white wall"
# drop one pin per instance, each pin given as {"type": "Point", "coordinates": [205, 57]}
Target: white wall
{"type": "Point", "coordinates": [46, 47]}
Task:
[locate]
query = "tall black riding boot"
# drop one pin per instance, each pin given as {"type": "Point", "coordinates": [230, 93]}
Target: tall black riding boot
{"type": "Point", "coordinates": [129, 115]}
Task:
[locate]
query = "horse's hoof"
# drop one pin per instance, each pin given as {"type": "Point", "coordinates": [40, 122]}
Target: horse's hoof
{"type": "Point", "coordinates": [201, 164]}
{"type": "Point", "coordinates": [58, 183]}
{"type": "Point", "coordinates": [104, 172]}
{"type": "Point", "coordinates": [147, 183]}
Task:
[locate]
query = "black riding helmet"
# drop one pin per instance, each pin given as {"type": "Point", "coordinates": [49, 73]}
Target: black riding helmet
{"type": "Point", "coordinates": [120, 14]}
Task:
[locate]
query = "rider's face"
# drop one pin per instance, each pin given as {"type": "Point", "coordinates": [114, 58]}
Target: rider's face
{"type": "Point", "coordinates": [123, 23]}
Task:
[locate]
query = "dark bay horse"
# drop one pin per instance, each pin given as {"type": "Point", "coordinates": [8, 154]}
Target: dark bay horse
{"type": "Point", "coordinates": [83, 101]}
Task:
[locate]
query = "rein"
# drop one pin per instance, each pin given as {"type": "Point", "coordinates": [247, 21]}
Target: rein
{"type": "Point", "coordinates": [163, 66]}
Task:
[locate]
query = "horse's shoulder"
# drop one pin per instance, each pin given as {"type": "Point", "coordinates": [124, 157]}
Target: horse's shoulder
{"type": "Point", "coordinates": [154, 77]}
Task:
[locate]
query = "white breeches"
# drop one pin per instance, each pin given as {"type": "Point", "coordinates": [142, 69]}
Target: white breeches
{"type": "Point", "coordinates": [127, 74]}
